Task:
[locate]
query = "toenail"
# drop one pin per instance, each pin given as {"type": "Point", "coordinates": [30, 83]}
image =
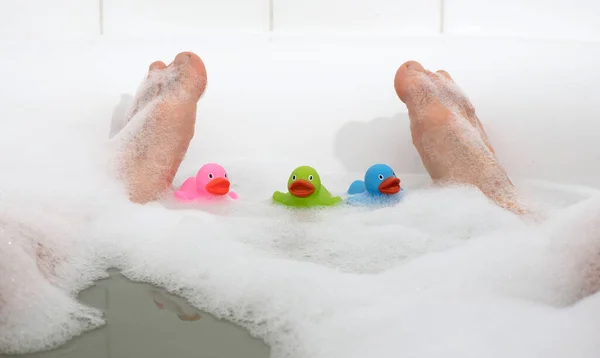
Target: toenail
{"type": "Point", "coordinates": [183, 58]}
{"type": "Point", "coordinates": [414, 66]}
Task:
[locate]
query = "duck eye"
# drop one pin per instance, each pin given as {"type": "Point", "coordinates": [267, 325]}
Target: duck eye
{"type": "Point", "coordinates": [394, 174]}
{"type": "Point", "coordinates": [380, 176]}
{"type": "Point", "coordinates": [225, 175]}
{"type": "Point", "coordinates": [294, 177]}
{"type": "Point", "coordinates": [310, 177]}
{"type": "Point", "coordinates": [210, 175]}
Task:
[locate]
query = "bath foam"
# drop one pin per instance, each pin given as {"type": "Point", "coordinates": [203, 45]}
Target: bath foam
{"type": "Point", "coordinates": [445, 274]}
{"type": "Point", "coordinates": [40, 274]}
{"type": "Point", "coordinates": [476, 280]}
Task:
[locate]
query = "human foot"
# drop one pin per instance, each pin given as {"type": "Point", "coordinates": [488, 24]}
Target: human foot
{"type": "Point", "coordinates": [165, 112]}
{"type": "Point", "coordinates": [448, 135]}
{"type": "Point", "coordinates": [149, 89]}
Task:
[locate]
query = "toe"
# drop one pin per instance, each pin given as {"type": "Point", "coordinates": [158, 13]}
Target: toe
{"type": "Point", "coordinates": [404, 78]}
{"type": "Point", "coordinates": [192, 60]}
{"type": "Point", "coordinates": [191, 73]}
{"type": "Point", "coordinates": [413, 85]}
{"type": "Point", "coordinates": [413, 66]}
{"type": "Point", "coordinates": [453, 96]}
{"type": "Point", "coordinates": [157, 65]}
{"type": "Point", "coordinates": [445, 74]}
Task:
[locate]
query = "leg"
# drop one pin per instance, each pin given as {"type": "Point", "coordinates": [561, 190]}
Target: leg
{"type": "Point", "coordinates": [448, 135]}
{"type": "Point", "coordinates": [165, 112]}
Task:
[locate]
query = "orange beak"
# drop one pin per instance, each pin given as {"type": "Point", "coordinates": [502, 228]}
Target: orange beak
{"type": "Point", "coordinates": [390, 186]}
{"type": "Point", "coordinates": [218, 186]}
{"type": "Point", "coordinates": [301, 188]}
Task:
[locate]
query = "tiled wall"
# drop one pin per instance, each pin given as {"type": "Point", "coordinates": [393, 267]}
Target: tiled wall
{"type": "Point", "coordinates": [44, 19]}
{"type": "Point", "coordinates": [41, 19]}
{"type": "Point", "coordinates": [405, 16]}
{"type": "Point", "coordinates": [138, 17]}
{"type": "Point", "coordinates": [575, 19]}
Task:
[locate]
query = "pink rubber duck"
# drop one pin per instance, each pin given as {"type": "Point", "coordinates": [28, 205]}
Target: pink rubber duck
{"type": "Point", "coordinates": [211, 182]}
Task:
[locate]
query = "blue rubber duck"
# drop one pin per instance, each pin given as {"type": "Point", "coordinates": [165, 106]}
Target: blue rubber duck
{"type": "Point", "coordinates": [380, 187]}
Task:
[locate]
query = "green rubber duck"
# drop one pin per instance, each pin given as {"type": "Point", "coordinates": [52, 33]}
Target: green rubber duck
{"type": "Point", "coordinates": [305, 190]}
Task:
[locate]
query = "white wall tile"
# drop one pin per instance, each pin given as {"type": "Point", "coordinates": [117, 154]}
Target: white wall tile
{"type": "Point", "coordinates": [164, 17]}
{"type": "Point", "coordinates": [399, 16]}
{"type": "Point", "coordinates": [45, 19]}
{"type": "Point", "coordinates": [566, 19]}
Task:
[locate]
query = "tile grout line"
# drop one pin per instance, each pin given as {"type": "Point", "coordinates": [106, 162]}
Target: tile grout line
{"type": "Point", "coordinates": [271, 15]}
{"type": "Point", "coordinates": [101, 16]}
{"type": "Point", "coordinates": [441, 16]}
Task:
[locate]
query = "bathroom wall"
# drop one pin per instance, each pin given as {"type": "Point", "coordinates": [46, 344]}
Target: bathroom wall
{"type": "Point", "coordinates": [334, 96]}
{"type": "Point", "coordinates": [72, 19]}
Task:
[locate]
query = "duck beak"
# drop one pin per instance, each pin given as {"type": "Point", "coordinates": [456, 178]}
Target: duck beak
{"type": "Point", "coordinates": [301, 188]}
{"type": "Point", "coordinates": [390, 186]}
{"type": "Point", "coordinates": [218, 186]}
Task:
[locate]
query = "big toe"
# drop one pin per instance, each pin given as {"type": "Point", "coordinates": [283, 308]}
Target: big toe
{"type": "Point", "coordinates": [192, 70]}
{"type": "Point", "coordinates": [192, 60]}
{"type": "Point", "coordinates": [412, 83]}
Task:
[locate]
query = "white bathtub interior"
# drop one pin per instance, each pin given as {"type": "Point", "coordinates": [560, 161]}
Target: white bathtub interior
{"type": "Point", "coordinates": [443, 274]}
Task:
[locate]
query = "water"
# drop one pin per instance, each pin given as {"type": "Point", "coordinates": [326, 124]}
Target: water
{"type": "Point", "coordinates": [144, 321]}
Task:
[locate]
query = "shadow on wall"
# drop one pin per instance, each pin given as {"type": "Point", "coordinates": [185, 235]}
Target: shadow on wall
{"type": "Point", "coordinates": [358, 145]}
{"type": "Point", "coordinates": [387, 140]}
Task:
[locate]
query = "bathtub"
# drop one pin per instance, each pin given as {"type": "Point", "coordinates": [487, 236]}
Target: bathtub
{"type": "Point", "coordinates": [421, 280]}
